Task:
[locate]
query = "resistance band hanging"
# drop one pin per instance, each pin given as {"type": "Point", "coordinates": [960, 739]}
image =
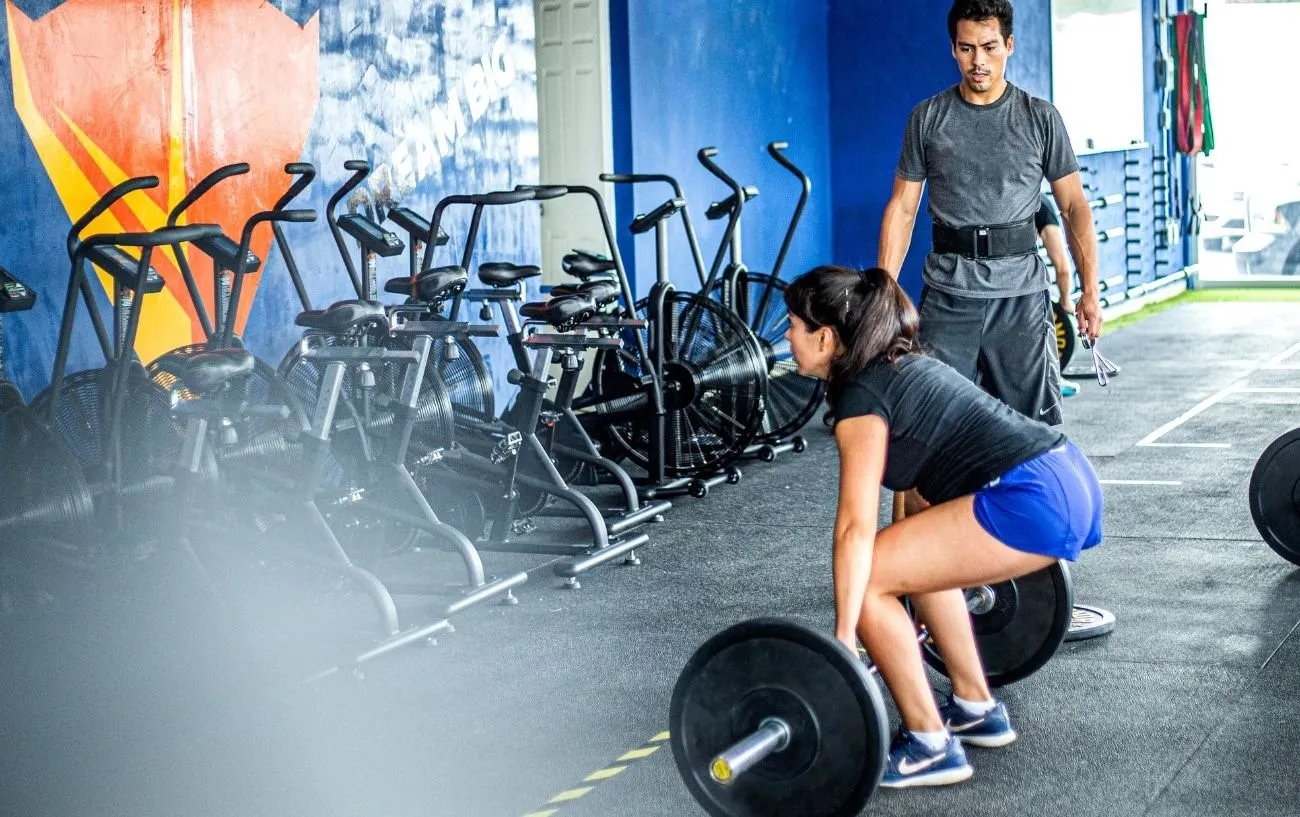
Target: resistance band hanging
{"type": "Point", "coordinates": [1193, 125]}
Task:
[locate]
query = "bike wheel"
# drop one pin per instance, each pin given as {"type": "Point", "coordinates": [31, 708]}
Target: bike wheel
{"type": "Point", "coordinates": [714, 386]}
{"type": "Point", "coordinates": [792, 398]}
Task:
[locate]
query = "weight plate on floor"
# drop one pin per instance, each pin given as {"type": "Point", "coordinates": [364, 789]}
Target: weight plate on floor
{"type": "Point", "coordinates": [1089, 622]}
{"type": "Point", "coordinates": [1024, 628]}
{"type": "Point", "coordinates": [1273, 494]}
{"type": "Point", "coordinates": [1065, 340]}
{"type": "Point", "coordinates": [775, 668]}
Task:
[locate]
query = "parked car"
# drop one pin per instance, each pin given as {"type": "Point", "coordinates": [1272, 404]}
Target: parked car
{"type": "Point", "coordinates": [1220, 234]}
{"type": "Point", "coordinates": [1274, 250]}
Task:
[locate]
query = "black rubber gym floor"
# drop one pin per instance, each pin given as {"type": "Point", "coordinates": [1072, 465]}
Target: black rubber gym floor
{"type": "Point", "coordinates": [557, 706]}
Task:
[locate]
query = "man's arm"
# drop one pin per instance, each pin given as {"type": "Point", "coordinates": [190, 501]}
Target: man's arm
{"type": "Point", "coordinates": [1054, 241]}
{"type": "Point", "coordinates": [896, 226]}
{"type": "Point", "coordinates": [1076, 217]}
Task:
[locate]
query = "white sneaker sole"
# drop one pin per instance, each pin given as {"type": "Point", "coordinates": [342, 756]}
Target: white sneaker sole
{"type": "Point", "coordinates": [944, 778]}
{"type": "Point", "coordinates": [988, 741]}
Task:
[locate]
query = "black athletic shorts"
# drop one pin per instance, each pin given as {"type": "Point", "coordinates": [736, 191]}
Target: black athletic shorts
{"type": "Point", "coordinates": [1006, 345]}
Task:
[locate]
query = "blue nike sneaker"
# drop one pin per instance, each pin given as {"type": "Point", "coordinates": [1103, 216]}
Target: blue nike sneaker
{"type": "Point", "coordinates": [912, 763]}
{"type": "Point", "coordinates": [989, 730]}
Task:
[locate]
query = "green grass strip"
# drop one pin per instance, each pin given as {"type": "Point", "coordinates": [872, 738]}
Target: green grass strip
{"type": "Point", "coordinates": [1261, 294]}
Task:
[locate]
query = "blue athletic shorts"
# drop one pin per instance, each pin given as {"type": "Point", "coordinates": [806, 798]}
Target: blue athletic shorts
{"type": "Point", "coordinates": [1049, 505]}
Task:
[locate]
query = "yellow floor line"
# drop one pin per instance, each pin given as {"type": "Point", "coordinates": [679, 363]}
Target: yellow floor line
{"type": "Point", "coordinates": [603, 774]}
{"type": "Point", "coordinates": [571, 794]}
{"type": "Point", "coordinates": [649, 748]}
{"type": "Point", "coordinates": [637, 754]}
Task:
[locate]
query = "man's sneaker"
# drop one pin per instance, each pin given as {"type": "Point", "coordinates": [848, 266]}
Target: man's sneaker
{"type": "Point", "coordinates": [912, 763]}
{"type": "Point", "coordinates": [988, 730]}
{"type": "Point", "coordinates": [1069, 389]}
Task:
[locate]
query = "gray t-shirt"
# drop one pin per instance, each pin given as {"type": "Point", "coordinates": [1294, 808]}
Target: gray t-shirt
{"type": "Point", "coordinates": [984, 165]}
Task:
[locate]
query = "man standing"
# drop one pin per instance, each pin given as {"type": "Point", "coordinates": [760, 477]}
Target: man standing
{"type": "Point", "coordinates": [984, 148]}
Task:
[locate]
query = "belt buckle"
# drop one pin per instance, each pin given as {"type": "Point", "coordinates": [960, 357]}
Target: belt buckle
{"type": "Point", "coordinates": [977, 234]}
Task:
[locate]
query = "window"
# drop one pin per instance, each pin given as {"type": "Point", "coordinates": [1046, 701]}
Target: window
{"type": "Point", "coordinates": [1097, 71]}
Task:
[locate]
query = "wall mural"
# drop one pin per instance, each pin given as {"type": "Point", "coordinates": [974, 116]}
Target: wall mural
{"type": "Point", "coordinates": [440, 97]}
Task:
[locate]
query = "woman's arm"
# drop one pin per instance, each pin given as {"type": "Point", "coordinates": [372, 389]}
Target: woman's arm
{"type": "Point", "coordinates": [863, 442]}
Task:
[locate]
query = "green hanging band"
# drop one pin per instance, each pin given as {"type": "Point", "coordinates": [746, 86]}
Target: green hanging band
{"type": "Point", "coordinates": [1207, 139]}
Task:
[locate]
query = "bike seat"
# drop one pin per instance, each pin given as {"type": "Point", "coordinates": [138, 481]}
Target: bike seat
{"type": "Point", "coordinates": [205, 371]}
{"type": "Point", "coordinates": [504, 273]}
{"type": "Point", "coordinates": [431, 284]}
{"type": "Point", "coordinates": [562, 313]}
{"type": "Point", "coordinates": [581, 264]}
{"type": "Point", "coordinates": [345, 316]}
{"type": "Point", "coordinates": [602, 290]}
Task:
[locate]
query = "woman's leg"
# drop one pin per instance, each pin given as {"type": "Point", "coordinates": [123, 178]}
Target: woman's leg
{"type": "Point", "coordinates": [945, 612]}
{"type": "Point", "coordinates": [948, 621]}
{"type": "Point", "coordinates": [941, 548]}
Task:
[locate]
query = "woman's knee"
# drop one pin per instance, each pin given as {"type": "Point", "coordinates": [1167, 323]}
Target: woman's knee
{"type": "Point", "coordinates": [888, 565]}
{"type": "Point", "coordinates": [892, 569]}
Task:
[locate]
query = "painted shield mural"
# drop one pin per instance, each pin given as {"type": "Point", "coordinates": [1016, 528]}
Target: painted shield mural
{"type": "Point", "coordinates": [175, 89]}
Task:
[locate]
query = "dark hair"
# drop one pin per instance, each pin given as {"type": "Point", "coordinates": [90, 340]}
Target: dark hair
{"type": "Point", "coordinates": [870, 313]}
{"type": "Point", "coordinates": [980, 10]}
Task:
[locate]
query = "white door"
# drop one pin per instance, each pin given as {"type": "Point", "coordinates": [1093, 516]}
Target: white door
{"type": "Point", "coordinates": [575, 142]}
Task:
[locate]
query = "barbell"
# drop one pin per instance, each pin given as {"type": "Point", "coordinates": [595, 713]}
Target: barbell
{"type": "Point", "coordinates": [773, 717]}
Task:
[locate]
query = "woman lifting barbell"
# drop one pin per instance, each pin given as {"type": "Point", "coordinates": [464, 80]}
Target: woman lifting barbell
{"type": "Point", "coordinates": [1008, 496]}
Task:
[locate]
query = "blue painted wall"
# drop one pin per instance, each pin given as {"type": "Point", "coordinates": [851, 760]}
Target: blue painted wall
{"type": "Point", "coordinates": [1031, 66]}
{"type": "Point", "coordinates": [440, 96]}
{"type": "Point", "coordinates": [883, 59]}
{"type": "Point", "coordinates": [1154, 180]}
{"type": "Point", "coordinates": [734, 74]}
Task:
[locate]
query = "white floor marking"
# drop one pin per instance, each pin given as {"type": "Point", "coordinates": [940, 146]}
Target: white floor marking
{"type": "Point", "coordinates": [1276, 360]}
{"type": "Point", "coordinates": [1149, 441]}
{"type": "Point", "coordinates": [1187, 415]}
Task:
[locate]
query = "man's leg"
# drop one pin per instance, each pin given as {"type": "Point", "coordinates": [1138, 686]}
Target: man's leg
{"type": "Point", "coordinates": [951, 328]}
{"type": "Point", "coordinates": [1018, 360]}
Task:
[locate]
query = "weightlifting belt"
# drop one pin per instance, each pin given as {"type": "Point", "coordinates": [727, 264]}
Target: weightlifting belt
{"type": "Point", "coordinates": [986, 241]}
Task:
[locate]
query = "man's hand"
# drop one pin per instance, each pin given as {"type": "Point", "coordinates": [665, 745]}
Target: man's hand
{"type": "Point", "coordinates": [1088, 313]}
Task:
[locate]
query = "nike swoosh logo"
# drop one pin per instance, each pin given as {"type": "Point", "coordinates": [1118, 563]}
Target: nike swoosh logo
{"type": "Point", "coordinates": [955, 728]}
{"type": "Point", "coordinates": [1041, 412]}
{"type": "Point", "coordinates": [906, 767]}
